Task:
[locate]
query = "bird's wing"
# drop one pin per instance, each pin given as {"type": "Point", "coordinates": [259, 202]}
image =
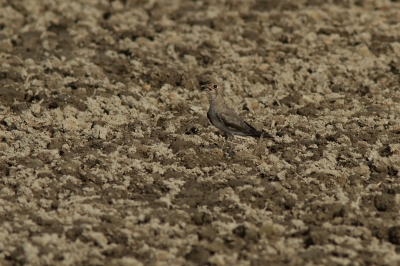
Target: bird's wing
{"type": "Point", "coordinates": [234, 122]}
{"type": "Point", "coordinates": [250, 126]}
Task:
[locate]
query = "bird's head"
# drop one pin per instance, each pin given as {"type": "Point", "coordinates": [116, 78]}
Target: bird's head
{"type": "Point", "coordinates": [212, 90]}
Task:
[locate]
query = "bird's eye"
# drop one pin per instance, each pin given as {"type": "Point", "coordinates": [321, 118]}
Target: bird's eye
{"type": "Point", "coordinates": [215, 86]}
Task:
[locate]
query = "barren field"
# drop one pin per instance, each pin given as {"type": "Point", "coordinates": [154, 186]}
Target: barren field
{"type": "Point", "coordinates": [107, 156]}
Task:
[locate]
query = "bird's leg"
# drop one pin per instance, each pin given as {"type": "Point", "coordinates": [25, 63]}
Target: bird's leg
{"type": "Point", "coordinates": [230, 150]}
{"type": "Point", "coordinates": [225, 138]}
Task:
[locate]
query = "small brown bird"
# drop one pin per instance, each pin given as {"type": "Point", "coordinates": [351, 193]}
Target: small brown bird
{"type": "Point", "coordinates": [225, 119]}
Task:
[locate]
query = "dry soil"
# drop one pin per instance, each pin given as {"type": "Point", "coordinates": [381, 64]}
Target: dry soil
{"type": "Point", "coordinates": [107, 157]}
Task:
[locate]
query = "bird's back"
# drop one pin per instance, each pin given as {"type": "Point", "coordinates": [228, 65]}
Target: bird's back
{"type": "Point", "coordinates": [228, 121]}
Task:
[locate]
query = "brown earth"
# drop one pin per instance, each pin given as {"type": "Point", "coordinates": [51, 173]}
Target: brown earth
{"type": "Point", "coordinates": [107, 157]}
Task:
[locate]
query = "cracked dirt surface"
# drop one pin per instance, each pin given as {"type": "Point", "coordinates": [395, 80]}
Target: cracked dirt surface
{"type": "Point", "coordinates": [107, 157]}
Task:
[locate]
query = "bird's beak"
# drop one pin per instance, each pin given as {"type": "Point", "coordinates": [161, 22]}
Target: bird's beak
{"type": "Point", "coordinates": [204, 87]}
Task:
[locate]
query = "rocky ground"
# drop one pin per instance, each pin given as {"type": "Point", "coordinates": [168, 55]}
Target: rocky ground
{"type": "Point", "coordinates": [107, 157]}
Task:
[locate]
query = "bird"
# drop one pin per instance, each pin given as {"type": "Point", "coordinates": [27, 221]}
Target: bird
{"type": "Point", "coordinates": [225, 119]}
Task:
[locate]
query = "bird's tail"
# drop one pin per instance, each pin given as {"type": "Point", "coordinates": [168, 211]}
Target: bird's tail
{"type": "Point", "coordinates": [258, 134]}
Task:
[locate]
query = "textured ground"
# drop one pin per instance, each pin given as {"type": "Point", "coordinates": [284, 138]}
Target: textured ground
{"type": "Point", "coordinates": [107, 156]}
